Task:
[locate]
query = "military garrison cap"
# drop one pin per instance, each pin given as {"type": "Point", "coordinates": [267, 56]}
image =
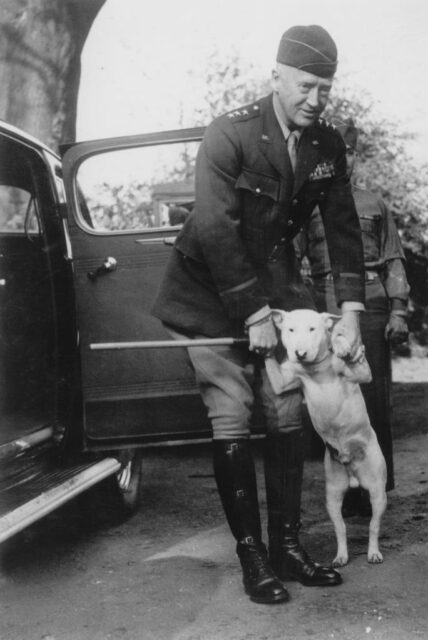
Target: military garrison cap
{"type": "Point", "coordinates": [310, 49]}
{"type": "Point", "coordinates": [347, 129]}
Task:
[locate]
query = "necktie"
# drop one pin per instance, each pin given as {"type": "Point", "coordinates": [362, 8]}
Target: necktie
{"type": "Point", "coordinates": [292, 148]}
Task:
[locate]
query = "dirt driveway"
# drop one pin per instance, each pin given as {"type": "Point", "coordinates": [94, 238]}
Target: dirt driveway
{"type": "Point", "coordinates": [170, 573]}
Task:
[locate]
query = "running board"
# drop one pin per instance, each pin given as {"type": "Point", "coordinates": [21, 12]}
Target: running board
{"type": "Point", "coordinates": [65, 485]}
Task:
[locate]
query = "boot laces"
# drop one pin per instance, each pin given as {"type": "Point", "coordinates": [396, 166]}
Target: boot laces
{"type": "Point", "coordinates": [260, 568]}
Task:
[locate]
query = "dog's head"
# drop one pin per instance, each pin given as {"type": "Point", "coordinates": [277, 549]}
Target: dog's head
{"type": "Point", "coordinates": [304, 333]}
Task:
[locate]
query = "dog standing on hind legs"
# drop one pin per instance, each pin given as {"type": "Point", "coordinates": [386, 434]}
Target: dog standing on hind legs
{"type": "Point", "coordinates": [315, 361]}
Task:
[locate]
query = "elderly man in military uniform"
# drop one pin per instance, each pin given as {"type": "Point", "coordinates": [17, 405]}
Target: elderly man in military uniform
{"type": "Point", "coordinates": [260, 172]}
{"type": "Point", "coordinates": [386, 294]}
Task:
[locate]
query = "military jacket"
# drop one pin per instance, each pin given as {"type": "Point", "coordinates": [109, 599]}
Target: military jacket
{"type": "Point", "coordinates": [382, 248]}
{"type": "Point", "coordinates": [235, 251]}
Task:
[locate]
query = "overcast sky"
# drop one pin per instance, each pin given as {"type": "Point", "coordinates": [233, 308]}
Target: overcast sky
{"type": "Point", "coordinates": [138, 55]}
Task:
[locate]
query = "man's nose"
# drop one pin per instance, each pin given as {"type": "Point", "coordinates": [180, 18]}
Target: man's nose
{"type": "Point", "coordinates": [313, 98]}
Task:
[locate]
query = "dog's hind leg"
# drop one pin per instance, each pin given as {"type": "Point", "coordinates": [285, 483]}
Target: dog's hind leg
{"type": "Point", "coordinates": [337, 482]}
{"type": "Point", "coordinates": [372, 476]}
{"type": "Point", "coordinates": [378, 502]}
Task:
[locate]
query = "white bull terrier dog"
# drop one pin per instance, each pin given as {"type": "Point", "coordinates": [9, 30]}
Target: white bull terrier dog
{"type": "Point", "coordinates": [338, 412]}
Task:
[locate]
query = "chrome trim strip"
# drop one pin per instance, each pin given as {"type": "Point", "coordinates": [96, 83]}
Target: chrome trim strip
{"type": "Point", "coordinates": [23, 516]}
{"type": "Point", "coordinates": [16, 447]}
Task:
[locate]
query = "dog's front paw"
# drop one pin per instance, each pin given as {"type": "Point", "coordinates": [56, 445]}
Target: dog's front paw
{"type": "Point", "coordinates": [375, 557]}
{"type": "Point", "coordinates": [340, 560]}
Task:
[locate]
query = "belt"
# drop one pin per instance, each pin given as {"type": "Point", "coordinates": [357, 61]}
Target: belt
{"type": "Point", "coordinates": [369, 276]}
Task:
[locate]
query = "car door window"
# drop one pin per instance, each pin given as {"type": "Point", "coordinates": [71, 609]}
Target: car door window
{"type": "Point", "coordinates": [18, 211]}
{"type": "Point", "coordinates": [140, 189]}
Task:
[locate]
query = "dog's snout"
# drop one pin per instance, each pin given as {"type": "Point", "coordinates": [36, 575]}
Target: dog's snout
{"type": "Point", "coordinates": [300, 354]}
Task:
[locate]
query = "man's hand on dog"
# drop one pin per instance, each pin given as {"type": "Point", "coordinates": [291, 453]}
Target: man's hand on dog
{"type": "Point", "coordinates": [346, 337]}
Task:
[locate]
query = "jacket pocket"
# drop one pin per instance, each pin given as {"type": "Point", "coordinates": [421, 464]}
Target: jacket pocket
{"type": "Point", "coordinates": [259, 213]}
{"type": "Point", "coordinates": [370, 231]}
{"type": "Point", "coordinates": [258, 184]}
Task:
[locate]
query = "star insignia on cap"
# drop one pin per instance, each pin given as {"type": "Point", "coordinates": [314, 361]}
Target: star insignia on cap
{"type": "Point", "coordinates": [324, 123]}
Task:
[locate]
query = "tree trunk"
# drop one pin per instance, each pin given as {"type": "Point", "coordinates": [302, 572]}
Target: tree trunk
{"type": "Point", "coordinates": [40, 46]}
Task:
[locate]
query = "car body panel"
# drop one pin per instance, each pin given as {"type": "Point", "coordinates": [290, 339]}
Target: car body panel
{"type": "Point", "coordinates": [129, 396]}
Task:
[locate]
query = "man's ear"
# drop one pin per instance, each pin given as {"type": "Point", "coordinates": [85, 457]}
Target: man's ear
{"type": "Point", "coordinates": [278, 316]}
{"type": "Point", "coordinates": [274, 80]}
{"type": "Point", "coordinates": [330, 319]}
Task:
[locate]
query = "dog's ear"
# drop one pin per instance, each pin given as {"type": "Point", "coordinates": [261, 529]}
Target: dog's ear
{"type": "Point", "coordinates": [278, 316]}
{"type": "Point", "coordinates": [330, 320]}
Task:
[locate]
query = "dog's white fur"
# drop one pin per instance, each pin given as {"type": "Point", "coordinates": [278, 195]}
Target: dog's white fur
{"type": "Point", "coordinates": [338, 412]}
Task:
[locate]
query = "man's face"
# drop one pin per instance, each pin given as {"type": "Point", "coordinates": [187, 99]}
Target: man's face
{"type": "Point", "coordinates": [302, 96]}
{"type": "Point", "coordinates": [351, 156]}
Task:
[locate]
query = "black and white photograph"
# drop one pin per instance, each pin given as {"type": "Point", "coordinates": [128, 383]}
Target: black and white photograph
{"type": "Point", "coordinates": [213, 320]}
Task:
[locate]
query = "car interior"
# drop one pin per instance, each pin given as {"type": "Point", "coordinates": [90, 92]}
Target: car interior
{"type": "Point", "coordinates": [27, 327]}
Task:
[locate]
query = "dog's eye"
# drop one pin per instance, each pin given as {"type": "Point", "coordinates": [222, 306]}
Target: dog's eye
{"type": "Point", "coordinates": [290, 329]}
{"type": "Point", "coordinates": [311, 328]}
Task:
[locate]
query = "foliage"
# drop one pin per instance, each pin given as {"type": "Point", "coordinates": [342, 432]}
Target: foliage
{"type": "Point", "coordinates": [120, 208]}
{"type": "Point", "coordinates": [228, 83]}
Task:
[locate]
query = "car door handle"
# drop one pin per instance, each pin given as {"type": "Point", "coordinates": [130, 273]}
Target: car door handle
{"type": "Point", "coordinates": [109, 265]}
{"type": "Point", "coordinates": [169, 240]}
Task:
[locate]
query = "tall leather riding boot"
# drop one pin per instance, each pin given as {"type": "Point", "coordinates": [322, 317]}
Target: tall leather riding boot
{"type": "Point", "coordinates": [236, 481]}
{"type": "Point", "coordinates": [284, 456]}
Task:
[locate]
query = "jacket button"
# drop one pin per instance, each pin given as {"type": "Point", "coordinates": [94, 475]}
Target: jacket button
{"type": "Point", "coordinates": [258, 190]}
{"type": "Point", "coordinates": [295, 202]}
{"type": "Point", "coordinates": [290, 223]}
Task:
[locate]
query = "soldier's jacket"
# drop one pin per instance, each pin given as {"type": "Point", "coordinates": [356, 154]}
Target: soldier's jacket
{"type": "Point", "coordinates": [235, 252]}
{"type": "Point", "coordinates": [382, 248]}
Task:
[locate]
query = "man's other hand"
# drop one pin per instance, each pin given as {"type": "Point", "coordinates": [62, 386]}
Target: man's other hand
{"type": "Point", "coordinates": [396, 330]}
{"type": "Point", "coordinates": [346, 337]}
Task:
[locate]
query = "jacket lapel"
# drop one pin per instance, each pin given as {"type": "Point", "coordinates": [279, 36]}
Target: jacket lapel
{"type": "Point", "coordinates": [272, 142]}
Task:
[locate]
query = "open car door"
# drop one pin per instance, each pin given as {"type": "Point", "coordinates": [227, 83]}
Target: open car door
{"type": "Point", "coordinates": [127, 199]}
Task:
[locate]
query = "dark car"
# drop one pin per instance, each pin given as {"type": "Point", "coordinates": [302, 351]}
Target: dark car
{"type": "Point", "coordinates": [84, 242]}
